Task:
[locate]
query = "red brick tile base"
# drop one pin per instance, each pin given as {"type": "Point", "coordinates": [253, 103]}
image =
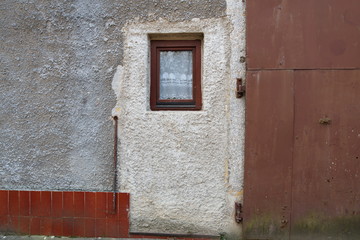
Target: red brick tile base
{"type": "Point", "coordinates": [75, 214]}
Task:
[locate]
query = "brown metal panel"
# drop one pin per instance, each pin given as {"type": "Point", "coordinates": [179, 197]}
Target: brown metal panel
{"type": "Point", "coordinates": [326, 170]}
{"type": "Point", "coordinates": [268, 154]}
{"type": "Point", "coordinates": [303, 34]}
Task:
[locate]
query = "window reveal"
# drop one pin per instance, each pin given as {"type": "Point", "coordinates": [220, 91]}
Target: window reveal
{"type": "Point", "coordinates": [175, 75]}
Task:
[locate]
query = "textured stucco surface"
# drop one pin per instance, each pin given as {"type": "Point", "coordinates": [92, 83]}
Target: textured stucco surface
{"type": "Point", "coordinates": [183, 168]}
{"type": "Point", "coordinates": [57, 60]}
{"type": "Point", "coordinates": [67, 66]}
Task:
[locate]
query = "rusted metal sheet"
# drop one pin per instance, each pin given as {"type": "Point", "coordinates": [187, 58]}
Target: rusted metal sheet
{"type": "Point", "coordinates": [268, 154]}
{"type": "Point", "coordinates": [326, 169]}
{"type": "Point", "coordinates": [303, 120]}
{"type": "Point", "coordinates": [303, 34]}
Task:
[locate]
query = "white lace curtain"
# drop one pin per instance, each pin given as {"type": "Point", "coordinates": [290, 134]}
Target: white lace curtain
{"type": "Point", "coordinates": [176, 79]}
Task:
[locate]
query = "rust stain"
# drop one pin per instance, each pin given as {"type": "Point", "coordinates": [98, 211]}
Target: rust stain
{"type": "Point", "coordinates": [338, 47]}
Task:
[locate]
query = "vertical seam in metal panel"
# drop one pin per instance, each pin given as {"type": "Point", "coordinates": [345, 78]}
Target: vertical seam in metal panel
{"type": "Point", "coordinates": [293, 151]}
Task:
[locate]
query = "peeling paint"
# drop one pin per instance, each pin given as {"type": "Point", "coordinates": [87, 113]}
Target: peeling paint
{"type": "Point", "coordinates": [116, 88]}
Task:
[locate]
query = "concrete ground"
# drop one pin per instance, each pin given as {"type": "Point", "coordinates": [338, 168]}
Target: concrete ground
{"type": "Point", "coordinates": [34, 237]}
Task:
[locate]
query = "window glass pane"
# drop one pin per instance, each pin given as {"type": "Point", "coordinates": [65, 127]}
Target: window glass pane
{"type": "Point", "coordinates": [176, 75]}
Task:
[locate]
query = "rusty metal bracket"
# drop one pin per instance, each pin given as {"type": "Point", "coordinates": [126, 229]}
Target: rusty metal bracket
{"type": "Point", "coordinates": [325, 121]}
{"type": "Point", "coordinates": [240, 88]}
{"type": "Point", "coordinates": [238, 212]}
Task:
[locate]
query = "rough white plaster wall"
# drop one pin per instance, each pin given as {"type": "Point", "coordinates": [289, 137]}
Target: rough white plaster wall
{"type": "Point", "coordinates": [183, 169]}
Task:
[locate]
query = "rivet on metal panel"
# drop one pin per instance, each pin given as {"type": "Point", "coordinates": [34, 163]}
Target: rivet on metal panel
{"type": "Point", "coordinates": [283, 223]}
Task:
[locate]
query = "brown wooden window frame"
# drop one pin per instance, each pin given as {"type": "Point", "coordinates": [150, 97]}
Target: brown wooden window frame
{"type": "Point", "coordinates": [175, 104]}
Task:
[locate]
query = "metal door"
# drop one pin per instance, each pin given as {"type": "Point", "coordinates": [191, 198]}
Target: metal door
{"type": "Point", "coordinates": [326, 160]}
{"type": "Point", "coordinates": [302, 145]}
{"type": "Point", "coordinates": [268, 154]}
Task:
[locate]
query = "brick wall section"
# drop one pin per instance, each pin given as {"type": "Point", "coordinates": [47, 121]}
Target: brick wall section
{"type": "Point", "coordinates": [82, 214]}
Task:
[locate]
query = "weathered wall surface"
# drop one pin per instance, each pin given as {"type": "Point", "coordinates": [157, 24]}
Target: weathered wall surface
{"type": "Point", "coordinates": [60, 63]}
{"type": "Point", "coordinates": [57, 63]}
{"type": "Point", "coordinates": [182, 168]}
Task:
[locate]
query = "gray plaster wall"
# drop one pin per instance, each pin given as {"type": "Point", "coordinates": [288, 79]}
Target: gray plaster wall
{"type": "Point", "coordinates": [57, 60]}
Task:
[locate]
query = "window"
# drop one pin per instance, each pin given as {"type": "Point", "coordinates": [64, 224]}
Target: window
{"type": "Point", "coordinates": [175, 75]}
